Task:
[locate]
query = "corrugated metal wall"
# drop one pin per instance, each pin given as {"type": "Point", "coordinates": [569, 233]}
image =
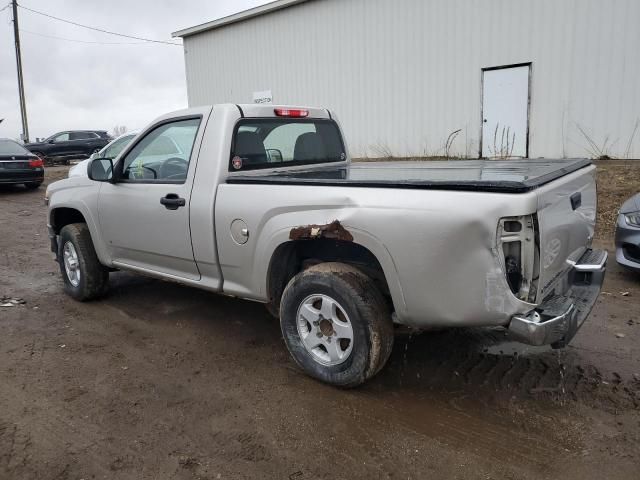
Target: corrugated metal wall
{"type": "Point", "coordinates": [403, 74]}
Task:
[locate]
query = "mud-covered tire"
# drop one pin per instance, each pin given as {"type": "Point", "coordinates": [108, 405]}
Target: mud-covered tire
{"type": "Point", "coordinates": [367, 312]}
{"type": "Point", "coordinates": [93, 279]}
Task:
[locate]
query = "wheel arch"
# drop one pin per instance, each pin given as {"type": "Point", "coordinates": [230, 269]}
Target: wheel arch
{"type": "Point", "coordinates": [360, 249]}
{"type": "Point", "coordinates": [63, 215]}
{"type": "Point", "coordinates": [60, 217]}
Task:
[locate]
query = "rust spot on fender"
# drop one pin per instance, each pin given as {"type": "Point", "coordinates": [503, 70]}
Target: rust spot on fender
{"type": "Point", "coordinates": [332, 231]}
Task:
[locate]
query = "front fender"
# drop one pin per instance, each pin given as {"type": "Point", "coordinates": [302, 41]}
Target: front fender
{"type": "Point", "coordinates": [80, 194]}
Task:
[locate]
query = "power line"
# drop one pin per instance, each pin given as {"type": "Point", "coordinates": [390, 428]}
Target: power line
{"type": "Point", "coordinates": [98, 29]}
{"type": "Point", "coordinates": [81, 41]}
{"type": "Point", "coordinates": [5, 7]}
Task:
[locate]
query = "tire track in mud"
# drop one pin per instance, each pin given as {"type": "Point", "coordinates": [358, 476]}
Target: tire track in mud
{"type": "Point", "coordinates": [427, 361]}
{"type": "Point", "coordinates": [489, 438]}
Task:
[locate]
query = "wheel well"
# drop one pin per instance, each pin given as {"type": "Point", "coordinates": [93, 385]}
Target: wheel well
{"type": "Point", "coordinates": [294, 256]}
{"type": "Point", "coordinates": [61, 217]}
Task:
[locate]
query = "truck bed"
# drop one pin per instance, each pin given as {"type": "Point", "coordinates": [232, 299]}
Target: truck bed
{"type": "Point", "coordinates": [505, 176]}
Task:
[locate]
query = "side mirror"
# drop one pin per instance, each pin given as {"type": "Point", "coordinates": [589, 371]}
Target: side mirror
{"type": "Point", "coordinates": [100, 170]}
{"type": "Point", "coordinates": [53, 140]}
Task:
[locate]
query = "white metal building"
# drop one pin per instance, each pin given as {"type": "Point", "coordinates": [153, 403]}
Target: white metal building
{"type": "Point", "coordinates": [536, 78]}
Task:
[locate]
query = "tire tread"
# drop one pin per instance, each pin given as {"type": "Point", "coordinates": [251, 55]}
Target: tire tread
{"type": "Point", "coordinates": [96, 276]}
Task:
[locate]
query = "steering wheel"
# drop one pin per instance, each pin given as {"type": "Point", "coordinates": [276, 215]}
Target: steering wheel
{"type": "Point", "coordinates": [174, 167]}
{"type": "Point", "coordinates": [133, 172]}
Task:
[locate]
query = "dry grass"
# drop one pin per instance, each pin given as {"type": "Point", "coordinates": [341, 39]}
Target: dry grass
{"type": "Point", "coordinates": [617, 181]}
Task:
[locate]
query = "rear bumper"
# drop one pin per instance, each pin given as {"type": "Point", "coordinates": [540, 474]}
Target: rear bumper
{"type": "Point", "coordinates": [21, 176]}
{"type": "Point", "coordinates": [556, 321]}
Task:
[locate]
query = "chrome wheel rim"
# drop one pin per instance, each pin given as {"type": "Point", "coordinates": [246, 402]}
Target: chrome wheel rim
{"type": "Point", "coordinates": [71, 263]}
{"type": "Point", "coordinates": [325, 330]}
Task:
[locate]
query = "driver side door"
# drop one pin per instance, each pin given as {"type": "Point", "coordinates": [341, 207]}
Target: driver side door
{"type": "Point", "coordinates": [144, 216]}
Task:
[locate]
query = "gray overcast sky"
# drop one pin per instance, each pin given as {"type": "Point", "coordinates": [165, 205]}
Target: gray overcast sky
{"type": "Point", "coordinates": [73, 85]}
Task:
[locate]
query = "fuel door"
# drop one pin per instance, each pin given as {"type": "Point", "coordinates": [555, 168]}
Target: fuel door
{"type": "Point", "coordinates": [239, 231]}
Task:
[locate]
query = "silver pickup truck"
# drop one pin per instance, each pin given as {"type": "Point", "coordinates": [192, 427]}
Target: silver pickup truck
{"type": "Point", "coordinates": [262, 202]}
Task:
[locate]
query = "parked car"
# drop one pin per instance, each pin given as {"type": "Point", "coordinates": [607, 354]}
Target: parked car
{"type": "Point", "coordinates": [628, 234]}
{"type": "Point", "coordinates": [65, 146]}
{"type": "Point", "coordinates": [339, 251]}
{"type": "Point", "coordinates": [19, 166]}
{"type": "Point", "coordinates": [111, 151]}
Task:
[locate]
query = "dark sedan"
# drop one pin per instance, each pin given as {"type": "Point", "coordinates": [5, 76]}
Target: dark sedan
{"type": "Point", "coordinates": [19, 165]}
{"type": "Point", "coordinates": [628, 234]}
{"type": "Point", "coordinates": [65, 146]}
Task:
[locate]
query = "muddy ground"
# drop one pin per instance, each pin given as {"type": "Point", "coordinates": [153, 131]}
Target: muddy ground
{"type": "Point", "coordinates": [161, 381]}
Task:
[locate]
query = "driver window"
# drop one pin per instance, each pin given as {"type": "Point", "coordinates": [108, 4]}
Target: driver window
{"type": "Point", "coordinates": [63, 137]}
{"type": "Point", "coordinates": [163, 154]}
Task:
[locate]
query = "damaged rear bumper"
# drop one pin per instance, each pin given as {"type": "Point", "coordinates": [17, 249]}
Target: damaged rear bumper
{"type": "Point", "coordinates": [559, 317]}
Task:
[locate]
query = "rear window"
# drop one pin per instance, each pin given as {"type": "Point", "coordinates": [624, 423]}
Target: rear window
{"type": "Point", "coordinates": [9, 147]}
{"type": "Point", "coordinates": [280, 142]}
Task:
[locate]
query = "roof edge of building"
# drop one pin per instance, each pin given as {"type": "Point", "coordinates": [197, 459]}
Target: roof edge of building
{"type": "Point", "coordinates": [237, 17]}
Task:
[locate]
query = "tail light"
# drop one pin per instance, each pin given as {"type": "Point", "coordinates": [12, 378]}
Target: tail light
{"type": "Point", "coordinates": [518, 243]}
{"type": "Point", "coordinates": [36, 163]}
{"type": "Point", "coordinates": [289, 112]}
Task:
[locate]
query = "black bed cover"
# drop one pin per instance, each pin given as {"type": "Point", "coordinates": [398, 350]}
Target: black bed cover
{"type": "Point", "coordinates": [506, 176]}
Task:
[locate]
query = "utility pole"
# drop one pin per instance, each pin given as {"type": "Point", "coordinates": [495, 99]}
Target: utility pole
{"type": "Point", "coordinates": [23, 103]}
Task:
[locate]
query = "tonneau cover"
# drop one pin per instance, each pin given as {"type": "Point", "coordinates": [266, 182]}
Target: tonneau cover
{"type": "Point", "coordinates": [509, 176]}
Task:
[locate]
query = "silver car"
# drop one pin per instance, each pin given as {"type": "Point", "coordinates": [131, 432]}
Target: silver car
{"type": "Point", "coordinates": [111, 150]}
{"type": "Point", "coordinates": [628, 234]}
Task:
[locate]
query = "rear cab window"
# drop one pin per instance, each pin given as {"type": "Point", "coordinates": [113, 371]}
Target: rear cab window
{"type": "Point", "coordinates": [260, 143]}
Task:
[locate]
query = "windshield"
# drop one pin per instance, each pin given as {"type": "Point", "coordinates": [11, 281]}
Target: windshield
{"type": "Point", "coordinates": [280, 142]}
{"type": "Point", "coordinates": [9, 147]}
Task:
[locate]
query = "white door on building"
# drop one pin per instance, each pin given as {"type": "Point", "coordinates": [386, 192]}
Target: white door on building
{"type": "Point", "coordinates": [505, 112]}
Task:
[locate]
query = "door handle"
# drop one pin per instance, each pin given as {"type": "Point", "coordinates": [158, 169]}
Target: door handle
{"type": "Point", "coordinates": [172, 201]}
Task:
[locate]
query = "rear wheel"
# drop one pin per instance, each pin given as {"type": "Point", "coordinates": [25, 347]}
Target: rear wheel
{"type": "Point", "coordinates": [84, 276]}
{"type": "Point", "coordinates": [336, 324]}
{"type": "Point", "coordinates": [32, 185]}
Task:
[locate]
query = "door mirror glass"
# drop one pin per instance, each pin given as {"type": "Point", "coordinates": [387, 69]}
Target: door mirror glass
{"type": "Point", "coordinates": [100, 169]}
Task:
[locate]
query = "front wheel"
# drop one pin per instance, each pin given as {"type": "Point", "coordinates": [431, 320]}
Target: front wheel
{"type": "Point", "coordinates": [336, 324]}
{"type": "Point", "coordinates": [84, 276]}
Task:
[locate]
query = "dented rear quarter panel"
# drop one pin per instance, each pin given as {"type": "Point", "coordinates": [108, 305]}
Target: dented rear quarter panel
{"type": "Point", "coordinates": [437, 248]}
